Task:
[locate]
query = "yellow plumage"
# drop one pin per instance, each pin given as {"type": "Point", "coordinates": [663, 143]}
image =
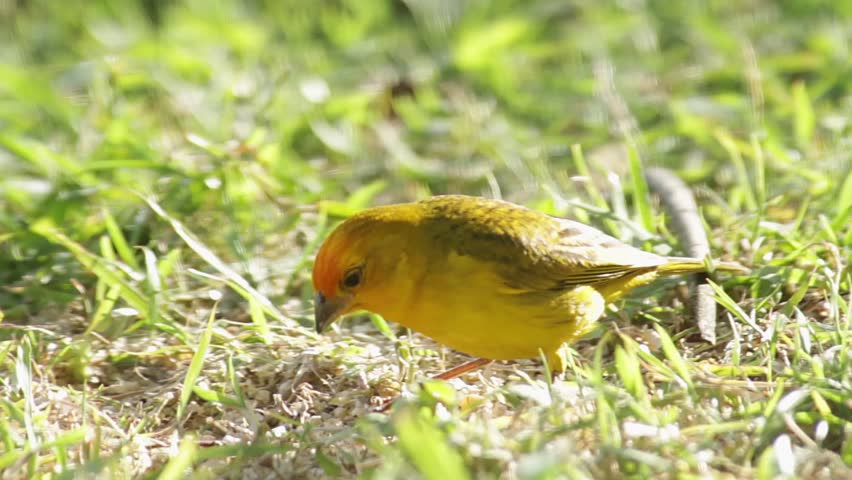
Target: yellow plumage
{"type": "Point", "coordinates": [485, 277]}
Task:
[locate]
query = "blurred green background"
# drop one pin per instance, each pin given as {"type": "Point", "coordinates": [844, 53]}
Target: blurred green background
{"type": "Point", "coordinates": [216, 107]}
{"type": "Point", "coordinates": [159, 156]}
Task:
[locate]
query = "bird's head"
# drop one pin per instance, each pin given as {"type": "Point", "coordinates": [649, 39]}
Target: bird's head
{"type": "Point", "coordinates": [358, 265]}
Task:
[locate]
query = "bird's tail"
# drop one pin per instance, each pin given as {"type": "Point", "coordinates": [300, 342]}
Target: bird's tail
{"type": "Point", "coordinates": [678, 265]}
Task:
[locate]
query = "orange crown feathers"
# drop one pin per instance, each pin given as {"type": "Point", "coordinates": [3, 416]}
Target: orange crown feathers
{"type": "Point", "coordinates": [343, 245]}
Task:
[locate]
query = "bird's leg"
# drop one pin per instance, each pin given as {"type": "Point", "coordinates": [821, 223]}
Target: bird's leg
{"type": "Point", "coordinates": [556, 363]}
{"type": "Point", "coordinates": [462, 369]}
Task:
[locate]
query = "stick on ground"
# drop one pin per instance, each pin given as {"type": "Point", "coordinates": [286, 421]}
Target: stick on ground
{"type": "Point", "coordinates": [679, 203]}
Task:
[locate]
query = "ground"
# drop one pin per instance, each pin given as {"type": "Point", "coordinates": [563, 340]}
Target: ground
{"type": "Point", "coordinates": [169, 169]}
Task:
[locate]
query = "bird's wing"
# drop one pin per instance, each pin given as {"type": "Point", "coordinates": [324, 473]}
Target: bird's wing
{"type": "Point", "coordinates": [529, 250]}
{"type": "Point", "coordinates": [582, 255]}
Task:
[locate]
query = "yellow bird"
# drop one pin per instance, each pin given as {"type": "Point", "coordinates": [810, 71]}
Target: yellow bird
{"type": "Point", "coordinates": [485, 277]}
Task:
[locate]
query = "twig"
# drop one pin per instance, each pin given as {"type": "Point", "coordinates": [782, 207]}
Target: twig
{"type": "Point", "coordinates": [679, 203]}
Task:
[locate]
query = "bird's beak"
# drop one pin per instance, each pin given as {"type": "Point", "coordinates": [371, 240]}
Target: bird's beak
{"type": "Point", "coordinates": [326, 310]}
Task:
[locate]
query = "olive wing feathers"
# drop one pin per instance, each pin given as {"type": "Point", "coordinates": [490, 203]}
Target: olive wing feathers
{"type": "Point", "coordinates": [530, 250]}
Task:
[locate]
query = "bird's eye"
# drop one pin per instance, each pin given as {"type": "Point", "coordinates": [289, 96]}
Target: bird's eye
{"type": "Point", "coordinates": [352, 278]}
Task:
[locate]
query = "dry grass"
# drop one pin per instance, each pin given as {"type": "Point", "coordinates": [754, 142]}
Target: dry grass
{"type": "Point", "coordinates": [170, 169]}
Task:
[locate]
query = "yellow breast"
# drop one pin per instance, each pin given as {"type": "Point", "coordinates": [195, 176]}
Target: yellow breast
{"type": "Point", "coordinates": [465, 305]}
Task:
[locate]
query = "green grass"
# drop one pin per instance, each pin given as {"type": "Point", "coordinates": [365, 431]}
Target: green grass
{"type": "Point", "coordinates": [169, 169]}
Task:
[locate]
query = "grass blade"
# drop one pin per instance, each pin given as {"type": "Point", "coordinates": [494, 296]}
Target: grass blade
{"type": "Point", "coordinates": [180, 464]}
{"type": "Point", "coordinates": [196, 364]}
{"type": "Point", "coordinates": [804, 121]}
{"type": "Point", "coordinates": [119, 241]}
{"type": "Point", "coordinates": [214, 261]}
{"type": "Point", "coordinates": [428, 447]}
{"type": "Point", "coordinates": [641, 199]}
